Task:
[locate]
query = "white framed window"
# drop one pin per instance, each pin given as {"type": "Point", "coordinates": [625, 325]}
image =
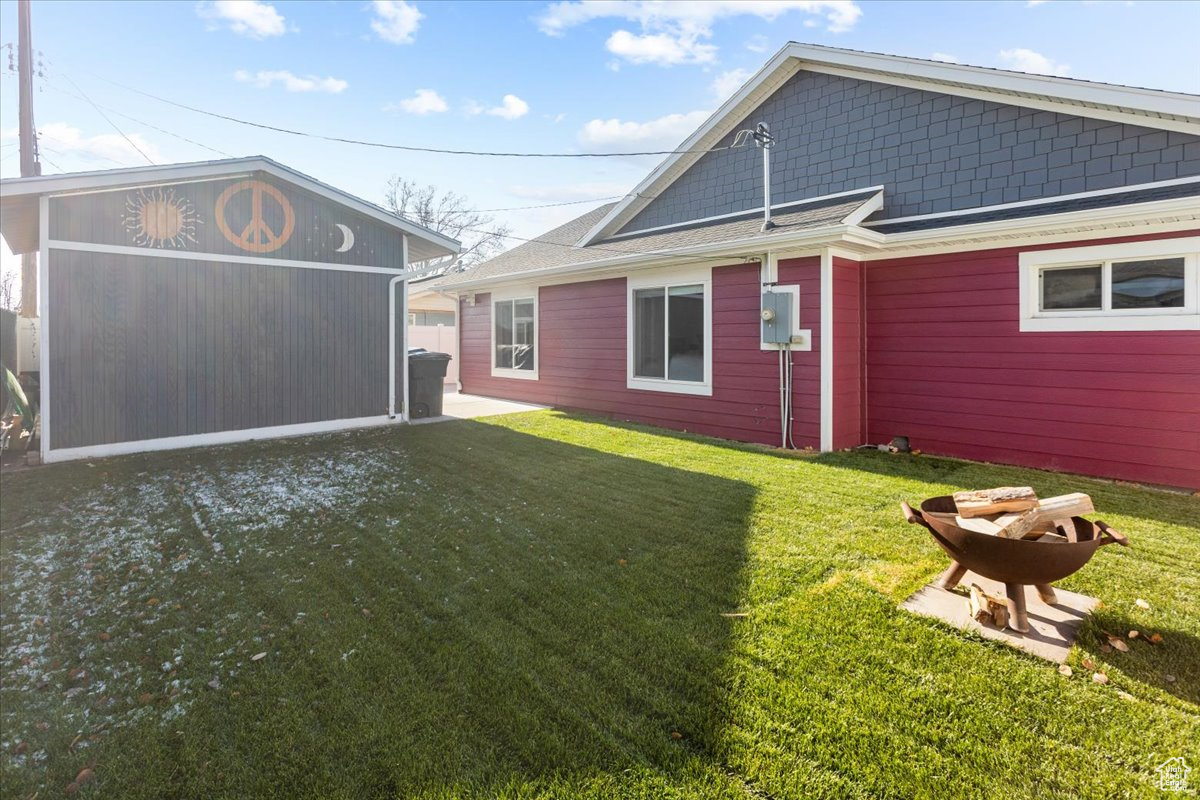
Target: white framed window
{"type": "Point", "coordinates": [514, 334]}
{"type": "Point", "coordinates": [1133, 286]}
{"type": "Point", "coordinates": [669, 331]}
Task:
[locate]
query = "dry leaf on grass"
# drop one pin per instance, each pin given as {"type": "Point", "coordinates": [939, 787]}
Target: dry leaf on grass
{"type": "Point", "coordinates": [1169, 678]}
{"type": "Point", "coordinates": [1117, 643]}
{"type": "Point", "coordinates": [1124, 695]}
{"type": "Point", "coordinates": [1065, 671]}
{"type": "Point", "coordinates": [1088, 663]}
{"type": "Point", "coordinates": [1156, 638]}
{"type": "Point", "coordinates": [1140, 603]}
{"type": "Point", "coordinates": [1134, 634]}
{"type": "Point", "coordinates": [1106, 648]}
{"type": "Point", "coordinates": [1100, 678]}
{"type": "Point", "coordinates": [258, 656]}
{"type": "Point", "coordinates": [105, 636]}
{"type": "Point", "coordinates": [676, 735]}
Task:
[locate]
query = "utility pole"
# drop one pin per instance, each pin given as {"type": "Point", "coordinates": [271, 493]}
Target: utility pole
{"type": "Point", "coordinates": [28, 147]}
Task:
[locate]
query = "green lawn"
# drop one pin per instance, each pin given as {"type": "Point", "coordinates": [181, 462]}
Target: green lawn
{"type": "Point", "coordinates": [548, 605]}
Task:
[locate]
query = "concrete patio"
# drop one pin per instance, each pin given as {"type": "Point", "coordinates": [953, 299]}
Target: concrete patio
{"type": "Point", "coordinates": [469, 406]}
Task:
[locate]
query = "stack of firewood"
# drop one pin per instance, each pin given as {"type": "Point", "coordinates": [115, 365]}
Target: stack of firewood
{"type": "Point", "coordinates": [1015, 512]}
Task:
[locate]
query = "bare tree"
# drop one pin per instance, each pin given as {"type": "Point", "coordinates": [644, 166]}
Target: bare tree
{"type": "Point", "coordinates": [10, 288]}
{"type": "Point", "coordinates": [450, 214]}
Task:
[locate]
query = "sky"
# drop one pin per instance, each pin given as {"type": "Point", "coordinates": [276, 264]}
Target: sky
{"type": "Point", "coordinates": [530, 77]}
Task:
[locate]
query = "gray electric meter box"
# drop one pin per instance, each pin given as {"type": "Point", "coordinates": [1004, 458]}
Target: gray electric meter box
{"type": "Point", "coordinates": [777, 317]}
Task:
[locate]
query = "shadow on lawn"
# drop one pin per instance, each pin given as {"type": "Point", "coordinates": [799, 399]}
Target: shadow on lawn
{"type": "Point", "coordinates": [538, 615]}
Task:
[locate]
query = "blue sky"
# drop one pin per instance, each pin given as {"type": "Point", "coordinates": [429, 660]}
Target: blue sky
{"type": "Point", "coordinates": [504, 76]}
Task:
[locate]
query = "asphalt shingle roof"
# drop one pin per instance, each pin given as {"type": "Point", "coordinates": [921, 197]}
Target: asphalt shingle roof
{"type": "Point", "coordinates": [557, 247]}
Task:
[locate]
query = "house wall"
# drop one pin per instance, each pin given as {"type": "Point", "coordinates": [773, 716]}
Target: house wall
{"type": "Point", "coordinates": [582, 358]}
{"type": "Point", "coordinates": [147, 347]}
{"type": "Point", "coordinates": [934, 152]}
{"type": "Point", "coordinates": [948, 367]}
{"type": "Point", "coordinates": [849, 422]}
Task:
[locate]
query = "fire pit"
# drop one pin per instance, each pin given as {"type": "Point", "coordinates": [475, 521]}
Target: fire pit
{"type": "Point", "coordinates": [1014, 562]}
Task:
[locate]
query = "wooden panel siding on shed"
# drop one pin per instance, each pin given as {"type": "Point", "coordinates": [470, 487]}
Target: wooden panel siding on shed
{"type": "Point", "coordinates": [948, 367]}
{"type": "Point", "coordinates": [147, 347]}
{"type": "Point", "coordinates": [582, 360]}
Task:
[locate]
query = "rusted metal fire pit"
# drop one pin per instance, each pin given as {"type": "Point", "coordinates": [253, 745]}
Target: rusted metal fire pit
{"type": "Point", "coordinates": [1014, 562]}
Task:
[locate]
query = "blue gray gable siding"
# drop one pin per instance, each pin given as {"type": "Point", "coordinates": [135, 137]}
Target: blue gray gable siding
{"type": "Point", "coordinates": [933, 152]}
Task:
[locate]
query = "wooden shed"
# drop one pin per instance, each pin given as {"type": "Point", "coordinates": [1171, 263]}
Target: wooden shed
{"type": "Point", "coordinates": [212, 302]}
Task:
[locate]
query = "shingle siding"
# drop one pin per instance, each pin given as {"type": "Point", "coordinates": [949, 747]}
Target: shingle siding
{"type": "Point", "coordinates": [933, 152]}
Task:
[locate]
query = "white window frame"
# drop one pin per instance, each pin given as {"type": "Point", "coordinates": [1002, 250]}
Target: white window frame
{"type": "Point", "coordinates": [1106, 318]}
{"type": "Point", "coordinates": [508, 296]}
{"type": "Point", "coordinates": [666, 279]}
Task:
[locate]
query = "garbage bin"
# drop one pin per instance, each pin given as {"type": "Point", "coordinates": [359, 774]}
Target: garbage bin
{"type": "Point", "coordinates": [426, 379]}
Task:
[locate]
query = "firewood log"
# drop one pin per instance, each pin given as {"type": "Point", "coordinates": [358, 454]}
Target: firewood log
{"type": "Point", "coordinates": [993, 501]}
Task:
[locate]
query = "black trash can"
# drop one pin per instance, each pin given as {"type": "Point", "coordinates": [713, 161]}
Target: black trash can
{"type": "Point", "coordinates": [426, 379]}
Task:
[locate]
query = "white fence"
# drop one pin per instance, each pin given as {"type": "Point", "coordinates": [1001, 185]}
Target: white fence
{"type": "Point", "coordinates": [438, 339]}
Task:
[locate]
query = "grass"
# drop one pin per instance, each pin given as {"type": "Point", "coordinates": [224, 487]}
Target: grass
{"type": "Point", "coordinates": [547, 605]}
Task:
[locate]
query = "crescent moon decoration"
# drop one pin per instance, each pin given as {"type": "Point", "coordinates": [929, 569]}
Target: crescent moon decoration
{"type": "Point", "coordinates": [347, 238]}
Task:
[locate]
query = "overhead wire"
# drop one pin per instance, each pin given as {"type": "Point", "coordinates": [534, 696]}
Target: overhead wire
{"type": "Point", "coordinates": [100, 111]}
{"type": "Point", "coordinates": [405, 147]}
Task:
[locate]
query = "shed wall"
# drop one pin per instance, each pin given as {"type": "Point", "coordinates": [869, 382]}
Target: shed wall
{"type": "Point", "coordinates": [948, 367]}
{"type": "Point", "coordinates": [150, 347]}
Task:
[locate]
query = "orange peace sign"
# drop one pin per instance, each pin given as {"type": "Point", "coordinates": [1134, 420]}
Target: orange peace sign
{"type": "Point", "coordinates": [257, 236]}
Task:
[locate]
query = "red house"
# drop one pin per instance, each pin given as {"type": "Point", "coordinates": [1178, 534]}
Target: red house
{"type": "Point", "coordinates": [998, 266]}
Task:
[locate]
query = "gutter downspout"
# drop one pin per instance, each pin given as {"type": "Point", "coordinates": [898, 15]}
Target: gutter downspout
{"type": "Point", "coordinates": [402, 280]}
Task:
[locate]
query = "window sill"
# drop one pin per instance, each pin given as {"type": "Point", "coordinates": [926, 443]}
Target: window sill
{"type": "Point", "coordinates": [1111, 322]}
{"type": "Point", "coordinates": [521, 374]}
{"type": "Point", "coordinates": [673, 387]}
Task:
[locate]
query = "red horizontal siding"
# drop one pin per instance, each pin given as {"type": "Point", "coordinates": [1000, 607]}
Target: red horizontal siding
{"type": "Point", "coordinates": [948, 367]}
{"type": "Point", "coordinates": [582, 359]}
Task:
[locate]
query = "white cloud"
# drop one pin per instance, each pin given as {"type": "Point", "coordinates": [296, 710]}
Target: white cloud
{"type": "Point", "coordinates": [949, 59]}
{"type": "Point", "coordinates": [664, 133]}
{"type": "Point", "coordinates": [264, 79]}
{"type": "Point", "coordinates": [678, 32]}
{"type": "Point", "coordinates": [663, 49]}
{"type": "Point", "coordinates": [396, 21]}
{"type": "Point", "coordinates": [68, 140]}
{"type": "Point", "coordinates": [1023, 60]}
{"type": "Point", "coordinates": [425, 101]}
{"type": "Point", "coordinates": [511, 107]}
{"type": "Point", "coordinates": [1033, 3]}
{"type": "Point", "coordinates": [251, 18]}
{"type": "Point", "coordinates": [758, 44]}
{"type": "Point", "coordinates": [725, 84]}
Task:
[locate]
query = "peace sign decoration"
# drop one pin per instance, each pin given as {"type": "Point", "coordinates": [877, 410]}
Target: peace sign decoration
{"type": "Point", "coordinates": [257, 236]}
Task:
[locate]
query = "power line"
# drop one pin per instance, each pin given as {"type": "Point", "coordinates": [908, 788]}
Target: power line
{"type": "Point", "coordinates": [132, 144]}
{"type": "Point", "coordinates": [111, 110]}
{"type": "Point", "coordinates": [409, 148]}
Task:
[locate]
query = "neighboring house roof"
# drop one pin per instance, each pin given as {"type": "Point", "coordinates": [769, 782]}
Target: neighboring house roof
{"type": "Point", "coordinates": [1165, 110]}
{"type": "Point", "coordinates": [557, 249]}
{"type": "Point", "coordinates": [19, 198]}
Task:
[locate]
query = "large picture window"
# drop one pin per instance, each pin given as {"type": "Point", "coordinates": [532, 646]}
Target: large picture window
{"type": "Point", "coordinates": [670, 331]}
{"type": "Point", "coordinates": [1145, 286]}
{"type": "Point", "coordinates": [514, 336]}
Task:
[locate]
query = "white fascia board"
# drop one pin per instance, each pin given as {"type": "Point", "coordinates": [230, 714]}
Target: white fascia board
{"type": "Point", "coordinates": [114, 179]}
{"type": "Point", "coordinates": [973, 236]}
{"type": "Point", "coordinates": [869, 207]}
{"type": "Point", "coordinates": [1070, 90]}
{"type": "Point", "coordinates": [736, 250]}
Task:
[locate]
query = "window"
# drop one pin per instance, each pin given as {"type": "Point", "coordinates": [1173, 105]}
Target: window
{"type": "Point", "coordinates": [670, 332]}
{"type": "Point", "coordinates": [514, 336]}
{"type": "Point", "coordinates": [431, 318]}
{"type": "Point", "coordinates": [1132, 286]}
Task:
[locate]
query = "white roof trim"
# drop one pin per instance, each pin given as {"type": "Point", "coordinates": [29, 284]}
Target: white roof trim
{"type": "Point", "coordinates": [758, 210]}
{"type": "Point", "coordinates": [117, 178]}
{"type": "Point", "coordinates": [1148, 107]}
